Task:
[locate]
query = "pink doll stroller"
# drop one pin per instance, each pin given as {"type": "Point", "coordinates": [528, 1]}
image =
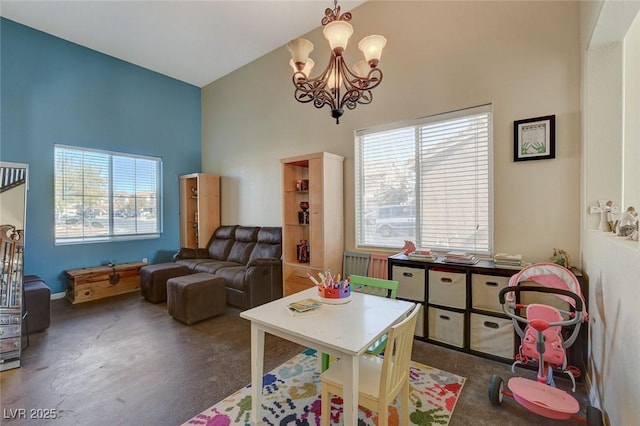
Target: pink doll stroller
{"type": "Point", "coordinates": [543, 342]}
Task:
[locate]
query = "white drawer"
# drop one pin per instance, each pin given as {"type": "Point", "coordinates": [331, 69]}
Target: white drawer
{"type": "Point", "coordinates": [492, 335]}
{"type": "Point", "coordinates": [446, 326]}
{"type": "Point", "coordinates": [448, 289]}
{"type": "Point", "coordinates": [485, 290]}
{"type": "Point", "coordinates": [411, 282]}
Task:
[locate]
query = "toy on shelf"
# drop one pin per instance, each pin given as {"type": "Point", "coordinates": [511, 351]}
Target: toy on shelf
{"type": "Point", "coordinates": [331, 289]}
{"type": "Point", "coordinates": [561, 258]}
{"type": "Point", "coordinates": [606, 215]}
{"type": "Point", "coordinates": [628, 223]}
{"type": "Point", "coordinates": [408, 248]}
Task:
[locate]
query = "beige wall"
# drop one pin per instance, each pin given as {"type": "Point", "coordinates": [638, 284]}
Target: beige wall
{"type": "Point", "coordinates": [441, 56]}
{"type": "Point", "coordinates": [611, 264]}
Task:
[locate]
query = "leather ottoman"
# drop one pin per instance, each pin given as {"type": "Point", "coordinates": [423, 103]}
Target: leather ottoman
{"type": "Point", "coordinates": [37, 303]}
{"type": "Point", "coordinates": [196, 297]}
{"type": "Point", "coordinates": [153, 280]}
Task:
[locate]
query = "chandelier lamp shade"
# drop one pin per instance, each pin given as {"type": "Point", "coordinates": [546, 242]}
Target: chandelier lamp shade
{"type": "Point", "coordinates": [337, 86]}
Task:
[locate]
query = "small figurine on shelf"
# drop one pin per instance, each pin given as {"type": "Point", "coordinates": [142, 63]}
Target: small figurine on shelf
{"type": "Point", "coordinates": [302, 185]}
{"type": "Point", "coordinates": [303, 252]}
{"type": "Point", "coordinates": [606, 216]}
{"type": "Point", "coordinates": [561, 257]}
{"type": "Point", "coordinates": [303, 216]}
{"type": "Point", "coordinates": [628, 222]}
{"type": "Point", "coordinates": [408, 248]}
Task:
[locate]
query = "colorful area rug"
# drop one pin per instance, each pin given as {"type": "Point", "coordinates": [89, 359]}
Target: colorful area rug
{"type": "Point", "coordinates": [292, 397]}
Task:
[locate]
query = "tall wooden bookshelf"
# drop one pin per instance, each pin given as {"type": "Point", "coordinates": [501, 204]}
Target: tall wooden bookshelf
{"type": "Point", "coordinates": [316, 179]}
{"type": "Point", "coordinates": [199, 209]}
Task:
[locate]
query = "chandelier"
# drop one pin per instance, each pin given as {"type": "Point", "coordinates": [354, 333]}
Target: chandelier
{"type": "Point", "coordinates": [337, 86]}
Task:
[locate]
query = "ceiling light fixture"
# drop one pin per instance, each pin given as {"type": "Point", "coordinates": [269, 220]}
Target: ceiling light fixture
{"type": "Point", "coordinates": [337, 86]}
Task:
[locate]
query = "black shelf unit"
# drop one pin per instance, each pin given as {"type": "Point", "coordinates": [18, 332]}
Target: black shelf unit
{"type": "Point", "coordinates": [576, 354]}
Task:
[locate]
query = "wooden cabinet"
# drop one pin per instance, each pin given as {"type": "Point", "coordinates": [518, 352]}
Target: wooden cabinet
{"type": "Point", "coordinates": [312, 241]}
{"type": "Point", "coordinates": [199, 209]}
{"type": "Point", "coordinates": [98, 282]}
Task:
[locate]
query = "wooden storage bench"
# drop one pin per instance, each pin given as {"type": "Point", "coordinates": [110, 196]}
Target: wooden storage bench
{"type": "Point", "coordinates": [97, 282]}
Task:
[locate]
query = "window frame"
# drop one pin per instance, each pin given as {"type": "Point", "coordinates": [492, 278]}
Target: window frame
{"type": "Point", "coordinates": [360, 197]}
{"type": "Point", "coordinates": [110, 236]}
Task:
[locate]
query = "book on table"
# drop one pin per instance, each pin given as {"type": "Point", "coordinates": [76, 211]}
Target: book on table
{"type": "Point", "coordinates": [460, 257]}
{"type": "Point", "coordinates": [423, 254]}
{"type": "Point", "coordinates": [506, 259]}
{"type": "Point", "coordinates": [303, 307]}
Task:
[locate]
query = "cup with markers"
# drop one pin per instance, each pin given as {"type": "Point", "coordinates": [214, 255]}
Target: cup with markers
{"type": "Point", "coordinates": [332, 289]}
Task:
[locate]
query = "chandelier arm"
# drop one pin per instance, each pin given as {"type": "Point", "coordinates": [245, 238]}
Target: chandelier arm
{"type": "Point", "coordinates": [316, 90]}
{"type": "Point", "coordinates": [354, 97]}
{"type": "Point", "coordinates": [369, 82]}
{"type": "Point", "coordinates": [358, 89]}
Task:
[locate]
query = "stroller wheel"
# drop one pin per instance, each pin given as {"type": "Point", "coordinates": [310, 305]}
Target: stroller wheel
{"type": "Point", "coordinates": [594, 417]}
{"type": "Point", "coordinates": [496, 385]}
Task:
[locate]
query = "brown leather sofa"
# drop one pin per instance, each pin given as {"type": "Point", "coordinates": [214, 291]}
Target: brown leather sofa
{"type": "Point", "coordinates": [248, 258]}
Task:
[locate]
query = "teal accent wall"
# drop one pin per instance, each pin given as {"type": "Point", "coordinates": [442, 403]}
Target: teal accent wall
{"type": "Point", "coordinates": [54, 91]}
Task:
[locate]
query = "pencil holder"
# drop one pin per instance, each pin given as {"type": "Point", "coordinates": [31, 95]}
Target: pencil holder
{"type": "Point", "coordinates": [335, 294]}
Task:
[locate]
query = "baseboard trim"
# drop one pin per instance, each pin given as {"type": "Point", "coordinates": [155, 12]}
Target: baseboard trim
{"type": "Point", "coordinates": [55, 296]}
{"type": "Point", "coordinates": [594, 398]}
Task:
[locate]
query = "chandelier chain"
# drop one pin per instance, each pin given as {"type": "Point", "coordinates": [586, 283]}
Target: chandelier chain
{"type": "Point", "coordinates": [331, 15]}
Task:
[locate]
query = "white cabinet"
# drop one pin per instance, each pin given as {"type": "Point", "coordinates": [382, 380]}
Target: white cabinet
{"type": "Point", "coordinates": [492, 335]}
{"type": "Point", "coordinates": [485, 290]}
{"type": "Point", "coordinates": [410, 283]}
{"type": "Point", "coordinates": [446, 326]}
{"type": "Point", "coordinates": [411, 286]}
{"type": "Point", "coordinates": [448, 288]}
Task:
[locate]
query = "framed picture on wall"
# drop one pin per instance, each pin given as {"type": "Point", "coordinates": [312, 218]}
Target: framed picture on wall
{"type": "Point", "coordinates": [534, 138]}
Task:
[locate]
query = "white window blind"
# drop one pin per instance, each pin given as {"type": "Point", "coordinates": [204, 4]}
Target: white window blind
{"type": "Point", "coordinates": [105, 196]}
{"type": "Point", "coordinates": [428, 181]}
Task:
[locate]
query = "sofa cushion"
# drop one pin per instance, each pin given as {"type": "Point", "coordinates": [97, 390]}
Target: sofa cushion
{"type": "Point", "coordinates": [193, 263]}
{"type": "Point", "coordinates": [247, 234]}
{"type": "Point", "coordinates": [221, 242]}
{"type": "Point", "coordinates": [245, 240]}
{"type": "Point", "coordinates": [212, 266]}
{"type": "Point", "coordinates": [233, 276]}
{"type": "Point", "coordinates": [269, 244]}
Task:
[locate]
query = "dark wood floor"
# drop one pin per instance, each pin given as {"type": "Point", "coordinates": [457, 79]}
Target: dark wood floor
{"type": "Point", "coordinates": [124, 361]}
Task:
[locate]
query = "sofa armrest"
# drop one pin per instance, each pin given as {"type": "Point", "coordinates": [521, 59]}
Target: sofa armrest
{"type": "Point", "coordinates": [263, 281]}
{"type": "Point", "coordinates": [190, 253]}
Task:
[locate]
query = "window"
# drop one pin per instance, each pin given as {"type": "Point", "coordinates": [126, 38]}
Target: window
{"type": "Point", "coordinates": [106, 196]}
{"type": "Point", "coordinates": [428, 181]}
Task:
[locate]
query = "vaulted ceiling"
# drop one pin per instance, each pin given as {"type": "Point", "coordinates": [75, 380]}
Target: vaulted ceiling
{"type": "Point", "coordinates": [193, 41]}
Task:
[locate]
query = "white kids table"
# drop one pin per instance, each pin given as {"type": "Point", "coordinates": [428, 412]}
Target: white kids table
{"type": "Point", "coordinates": [345, 330]}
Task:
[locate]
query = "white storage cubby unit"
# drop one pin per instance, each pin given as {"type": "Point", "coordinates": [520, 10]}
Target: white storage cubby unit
{"type": "Point", "coordinates": [411, 287]}
{"type": "Point", "coordinates": [462, 310]}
